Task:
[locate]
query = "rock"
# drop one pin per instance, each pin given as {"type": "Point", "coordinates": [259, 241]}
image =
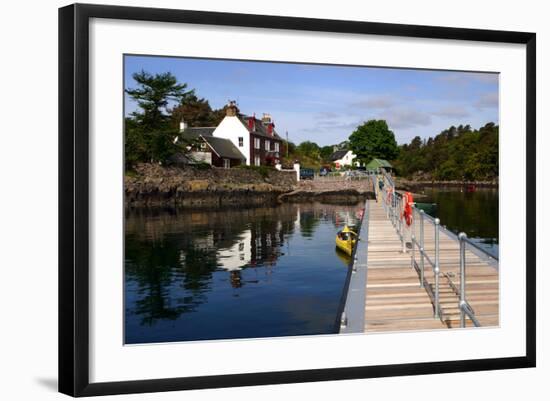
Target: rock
{"type": "Point", "coordinates": [198, 185]}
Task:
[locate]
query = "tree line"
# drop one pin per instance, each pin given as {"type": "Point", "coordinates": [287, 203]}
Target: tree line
{"type": "Point", "coordinates": [457, 153]}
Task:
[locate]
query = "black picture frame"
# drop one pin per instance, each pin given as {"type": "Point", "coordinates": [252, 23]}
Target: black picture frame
{"type": "Point", "coordinates": [74, 198]}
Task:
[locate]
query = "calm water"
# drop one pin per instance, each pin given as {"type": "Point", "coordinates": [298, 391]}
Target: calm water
{"type": "Point", "coordinates": [475, 213]}
{"type": "Point", "coordinates": [236, 273]}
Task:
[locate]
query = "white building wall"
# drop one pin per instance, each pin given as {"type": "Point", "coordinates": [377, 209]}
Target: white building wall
{"type": "Point", "coordinates": [232, 128]}
{"type": "Point", "coordinates": [347, 160]}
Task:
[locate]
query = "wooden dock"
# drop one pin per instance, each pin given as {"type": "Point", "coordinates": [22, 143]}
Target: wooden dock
{"type": "Point", "coordinates": [395, 300]}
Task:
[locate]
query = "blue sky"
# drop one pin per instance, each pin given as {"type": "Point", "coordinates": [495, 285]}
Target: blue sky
{"type": "Point", "coordinates": [324, 103]}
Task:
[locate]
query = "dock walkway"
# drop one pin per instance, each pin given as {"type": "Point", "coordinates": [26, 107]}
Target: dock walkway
{"type": "Point", "coordinates": [400, 288]}
{"type": "Point", "coordinates": [394, 298]}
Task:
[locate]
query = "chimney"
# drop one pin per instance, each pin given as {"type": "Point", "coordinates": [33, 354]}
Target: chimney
{"type": "Point", "coordinates": [266, 119]}
{"type": "Point", "coordinates": [183, 125]}
{"type": "Point", "coordinates": [251, 123]}
{"type": "Point", "coordinates": [232, 110]}
{"type": "Point", "coordinates": [270, 128]}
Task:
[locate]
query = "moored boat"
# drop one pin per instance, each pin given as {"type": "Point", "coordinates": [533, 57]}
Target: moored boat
{"type": "Point", "coordinates": [345, 240]}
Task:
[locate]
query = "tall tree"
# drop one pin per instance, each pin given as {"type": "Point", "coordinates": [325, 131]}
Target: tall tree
{"type": "Point", "coordinates": [149, 137]}
{"type": "Point", "coordinates": [373, 139]}
{"type": "Point", "coordinates": [195, 111]}
{"type": "Point", "coordinates": [153, 94]}
{"type": "Point", "coordinates": [326, 152]}
{"type": "Point", "coordinates": [309, 149]}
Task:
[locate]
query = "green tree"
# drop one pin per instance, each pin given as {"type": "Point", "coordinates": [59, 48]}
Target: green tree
{"type": "Point", "coordinates": [373, 139]}
{"type": "Point", "coordinates": [149, 136]}
{"type": "Point", "coordinates": [456, 153]}
{"type": "Point", "coordinates": [309, 149]}
{"type": "Point", "coordinates": [196, 112]}
{"type": "Point", "coordinates": [326, 152]}
{"type": "Point", "coordinates": [153, 95]}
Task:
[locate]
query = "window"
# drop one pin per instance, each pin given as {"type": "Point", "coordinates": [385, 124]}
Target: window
{"type": "Point", "coordinates": [256, 160]}
{"type": "Point", "coordinates": [267, 145]}
{"type": "Point", "coordinates": [257, 143]}
{"type": "Point", "coordinates": [241, 142]}
{"type": "Point", "coordinates": [276, 146]}
{"type": "Point", "coordinates": [226, 163]}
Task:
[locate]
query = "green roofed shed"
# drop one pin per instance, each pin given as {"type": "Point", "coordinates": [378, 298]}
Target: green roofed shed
{"type": "Point", "coordinates": [376, 164]}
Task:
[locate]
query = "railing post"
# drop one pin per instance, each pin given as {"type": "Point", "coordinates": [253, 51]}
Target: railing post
{"type": "Point", "coordinates": [421, 248]}
{"type": "Point", "coordinates": [402, 224]}
{"type": "Point", "coordinates": [436, 268]}
{"type": "Point", "coordinates": [413, 238]}
{"type": "Point", "coordinates": [392, 206]}
{"type": "Point", "coordinates": [462, 301]}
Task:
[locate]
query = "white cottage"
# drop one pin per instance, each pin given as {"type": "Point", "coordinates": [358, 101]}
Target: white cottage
{"type": "Point", "coordinates": [343, 158]}
{"type": "Point", "coordinates": [256, 139]}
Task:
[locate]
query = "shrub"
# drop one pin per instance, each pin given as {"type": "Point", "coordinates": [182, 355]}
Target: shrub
{"type": "Point", "coordinates": [202, 166]}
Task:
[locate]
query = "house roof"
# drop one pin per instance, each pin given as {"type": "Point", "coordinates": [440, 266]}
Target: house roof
{"type": "Point", "coordinates": [180, 158]}
{"type": "Point", "coordinates": [196, 132]}
{"type": "Point", "coordinates": [224, 148]}
{"type": "Point", "coordinates": [338, 155]}
{"type": "Point", "coordinates": [376, 163]}
{"type": "Point", "coordinates": [259, 127]}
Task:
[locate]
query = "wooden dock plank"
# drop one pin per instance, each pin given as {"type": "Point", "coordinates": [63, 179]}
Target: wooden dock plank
{"type": "Point", "coordinates": [394, 299]}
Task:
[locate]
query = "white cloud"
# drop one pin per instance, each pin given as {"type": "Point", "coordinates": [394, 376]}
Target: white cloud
{"type": "Point", "coordinates": [375, 102]}
{"type": "Point", "coordinates": [452, 112]}
{"type": "Point", "coordinates": [403, 117]}
{"type": "Point", "coordinates": [487, 100]}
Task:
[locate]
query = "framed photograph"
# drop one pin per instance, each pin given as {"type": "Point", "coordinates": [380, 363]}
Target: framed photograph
{"type": "Point", "coordinates": [252, 199]}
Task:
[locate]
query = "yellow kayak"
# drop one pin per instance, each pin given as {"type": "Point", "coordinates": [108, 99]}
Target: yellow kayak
{"type": "Point", "coordinates": [345, 240]}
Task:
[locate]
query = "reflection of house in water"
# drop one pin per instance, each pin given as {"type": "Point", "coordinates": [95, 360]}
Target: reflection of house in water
{"type": "Point", "coordinates": [238, 255]}
{"type": "Point", "coordinates": [257, 246]}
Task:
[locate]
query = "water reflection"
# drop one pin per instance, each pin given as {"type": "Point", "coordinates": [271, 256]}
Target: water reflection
{"type": "Point", "coordinates": [210, 274]}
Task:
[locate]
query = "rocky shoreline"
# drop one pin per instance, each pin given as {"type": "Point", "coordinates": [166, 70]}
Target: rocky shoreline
{"type": "Point", "coordinates": [154, 185]}
{"type": "Point", "coordinates": [151, 185]}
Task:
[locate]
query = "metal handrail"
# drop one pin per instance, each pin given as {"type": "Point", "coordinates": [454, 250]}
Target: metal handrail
{"type": "Point", "coordinates": [464, 306]}
{"type": "Point", "coordinates": [393, 204]}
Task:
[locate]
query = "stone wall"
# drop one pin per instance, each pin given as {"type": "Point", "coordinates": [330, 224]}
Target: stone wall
{"type": "Point", "coordinates": [155, 185]}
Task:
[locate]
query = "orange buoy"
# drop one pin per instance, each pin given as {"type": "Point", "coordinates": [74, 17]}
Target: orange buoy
{"type": "Point", "coordinates": [407, 208]}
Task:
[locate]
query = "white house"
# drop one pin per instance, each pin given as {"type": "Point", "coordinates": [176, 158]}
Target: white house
{"type": "Point", "coordinates": [237, 139]}
{"type": "Point", "coordinates": [343, 158]}
{"type": "Point", "coordinates": [256, 139]}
